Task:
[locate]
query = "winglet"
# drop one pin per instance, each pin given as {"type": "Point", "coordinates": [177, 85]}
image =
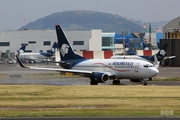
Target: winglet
{"type": "Point", "coordinates": [20, 63]}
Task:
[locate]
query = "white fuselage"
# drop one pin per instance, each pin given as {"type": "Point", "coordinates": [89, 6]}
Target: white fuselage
{"type": "Point", "coordinates": [32, 56]}
{"type": "Point", "coordinates": [124, 68]}
{"type": "Point", "coordinates": [128, 57]}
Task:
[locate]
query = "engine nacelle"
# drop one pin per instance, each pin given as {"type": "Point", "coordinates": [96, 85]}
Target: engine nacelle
{"type": "Point", "coordinates": [100, 77]}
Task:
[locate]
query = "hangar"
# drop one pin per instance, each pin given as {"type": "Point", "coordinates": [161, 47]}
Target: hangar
{"type": "Point", "coordinates": [171, 33]}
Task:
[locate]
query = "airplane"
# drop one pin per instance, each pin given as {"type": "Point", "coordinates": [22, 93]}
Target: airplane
{"type": "Point", "coordinates": [98, 70]}
{"type": "Point", "coordinates": [22, 48]}
{"type": "Point", "coordinates": [33, 57]}
{"type": "Point", "coordinates": [161, 55]}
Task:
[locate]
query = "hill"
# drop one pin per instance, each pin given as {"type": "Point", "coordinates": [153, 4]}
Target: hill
{"type": "Point", "coordinates": [85, 20]}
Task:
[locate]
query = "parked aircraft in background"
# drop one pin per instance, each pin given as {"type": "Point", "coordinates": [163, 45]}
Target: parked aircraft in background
{"type": "Point", "coordinates": [22, 49]}
{"type": "Point", "coordinates": [33, 57]}
{"type": "Point", "coordinates": [99, 70]}
{"type": "Point", "coordinates": [161, 55]}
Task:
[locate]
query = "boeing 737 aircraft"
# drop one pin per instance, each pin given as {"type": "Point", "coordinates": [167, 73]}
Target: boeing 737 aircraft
{"type": "Point", "coordinates": [98, 70]}
{"type": "Point", "coordinates": [37, 56]}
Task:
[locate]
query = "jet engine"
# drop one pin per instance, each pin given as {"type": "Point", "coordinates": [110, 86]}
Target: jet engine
{"type": "Point", "coordinates": [99, 77]}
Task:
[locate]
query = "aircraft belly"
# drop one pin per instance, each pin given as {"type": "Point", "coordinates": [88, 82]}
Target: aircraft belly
{"type": "Point", "coordinates": [131, 74]}
{"type": "Point", "coordinates": [126, 75]}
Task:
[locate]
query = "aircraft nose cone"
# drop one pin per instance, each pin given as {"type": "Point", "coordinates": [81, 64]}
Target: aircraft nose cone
{"type": "Point", "coordinates": [155, 71]}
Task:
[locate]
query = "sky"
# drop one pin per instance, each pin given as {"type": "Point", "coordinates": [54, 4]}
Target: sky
{"type": "Point", "coordinates": [16, 13]}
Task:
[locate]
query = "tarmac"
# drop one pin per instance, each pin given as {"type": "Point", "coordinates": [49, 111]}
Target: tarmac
{"type": "Point", "coordinates": [14, 75]}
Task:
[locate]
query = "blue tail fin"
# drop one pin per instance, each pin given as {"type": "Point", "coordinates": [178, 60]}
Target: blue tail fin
{"type": "Point", "coordinates": [22, 49]}
{"type": "Point", "coordinates": [65, 49]}
{"type": "Point", "coordinates": [54, 47]}
{"type": "Point", "coordinates": [162, 52]}
{"type": "Point", "coordinates": [160, 55]}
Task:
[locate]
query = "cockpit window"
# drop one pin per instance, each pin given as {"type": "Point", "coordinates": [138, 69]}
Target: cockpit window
{"type": "Point", "coordinates": [147, 65]}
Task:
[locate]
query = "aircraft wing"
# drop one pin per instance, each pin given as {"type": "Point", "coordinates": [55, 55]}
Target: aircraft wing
{"type": "Point", "coordinates": [84, 72]}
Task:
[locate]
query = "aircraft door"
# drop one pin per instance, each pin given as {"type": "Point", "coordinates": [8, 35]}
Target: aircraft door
{"type": "Point", "coordinates": [137, 67]}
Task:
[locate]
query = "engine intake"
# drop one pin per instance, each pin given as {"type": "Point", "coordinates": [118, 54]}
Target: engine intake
{"type": "Point", "coordinates": [100, 77]}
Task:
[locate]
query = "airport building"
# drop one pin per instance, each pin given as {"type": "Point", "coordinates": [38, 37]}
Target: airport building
{"type": "Point", "coordinates": [42, 40]}
{"type": "Point", "coordinates": [171, 33]}
{"type": "Point", "coordinates": [94, 43]}
{"type": "Point", "coordinates": [91, 44]}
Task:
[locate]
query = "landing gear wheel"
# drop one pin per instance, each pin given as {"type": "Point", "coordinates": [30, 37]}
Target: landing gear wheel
{"type": "Point", "coordinates": [93, 82]}
{"type": "Point", "coordinates": [116, 82]}
{"type": "Point", "coordinates": [145, 83]}
{"type": "Point", "coordinates": [150, 79]}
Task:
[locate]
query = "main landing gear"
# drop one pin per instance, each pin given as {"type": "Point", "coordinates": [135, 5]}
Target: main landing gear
{"type": "Point", "coordinates": [93, 82]}
{"type": "Point", "coordinates": [144, 81]}
{"type": "Point", "coordinates": [116, 82]}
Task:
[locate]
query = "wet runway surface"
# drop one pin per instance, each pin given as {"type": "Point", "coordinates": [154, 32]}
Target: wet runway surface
{"type": "Point", "coordinates": [81, 81]}
{"type": "Point", "coordinates": [15, 72]}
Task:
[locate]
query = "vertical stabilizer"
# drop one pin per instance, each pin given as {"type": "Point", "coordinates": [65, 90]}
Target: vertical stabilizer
{"type": "Point", "coordinates": [65, 49]}
{"type": "Point", "coordinates": [22, 49]}
{"type": "Point", "coordinates": [162, 52]}
{"type": "Point", "coordinates": [53, 49]}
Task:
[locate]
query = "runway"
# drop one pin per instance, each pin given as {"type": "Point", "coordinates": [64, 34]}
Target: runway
{"type": "Point", "coordinates": [80, 81]}
{"type": "Point", "coordinates": [15, 76]}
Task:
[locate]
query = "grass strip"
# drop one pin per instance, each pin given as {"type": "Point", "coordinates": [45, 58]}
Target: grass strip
{"type": "Point", "coordinates": [42, 100]}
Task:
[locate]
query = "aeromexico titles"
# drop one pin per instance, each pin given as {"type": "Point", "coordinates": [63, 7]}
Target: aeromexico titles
{"type": "Point", "coordinates": [99, 70]}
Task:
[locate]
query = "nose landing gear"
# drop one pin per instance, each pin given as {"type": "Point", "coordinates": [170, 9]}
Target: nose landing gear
{"type": "Point", "coordinates": [144, 81]}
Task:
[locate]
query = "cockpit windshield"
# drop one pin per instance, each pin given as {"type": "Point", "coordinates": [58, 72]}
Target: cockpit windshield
{"type": "Point", "coordinates": [147, 65]}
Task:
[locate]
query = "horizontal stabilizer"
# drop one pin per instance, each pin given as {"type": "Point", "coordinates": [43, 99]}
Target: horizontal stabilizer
{"type": "Point", "coordinates": [169, 57]}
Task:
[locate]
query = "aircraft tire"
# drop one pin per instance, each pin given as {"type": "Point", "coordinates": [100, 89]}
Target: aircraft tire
{"type": "Point", "coordinates": [116, 82]}
{"type": "Point", "coordinates": [93, 82]}
{"type": "Point", "coordinates": [150, 79]}
{"type": "Point", "coordinates": [145, 83]}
